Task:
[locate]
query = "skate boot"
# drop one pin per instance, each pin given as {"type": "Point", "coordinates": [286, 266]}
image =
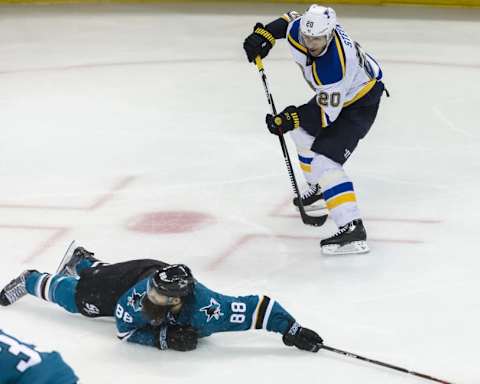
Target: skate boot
{"type": "Point", "coordinates": [312, 199]}
{"type": "Point", "coordinates": [74, 255]}
{"type": "Point", "coordinates": [15, 290]}
{"type": "Point", "coordinates": [350, 239]}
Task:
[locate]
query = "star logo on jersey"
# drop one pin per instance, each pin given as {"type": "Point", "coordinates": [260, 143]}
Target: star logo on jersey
{"type": "Point", "coordinates": [212, 311]}
{"type": "Point", "coordinates": [135, 301]}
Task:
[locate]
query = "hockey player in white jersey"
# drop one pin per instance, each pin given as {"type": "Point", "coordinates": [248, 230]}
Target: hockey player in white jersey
{"type": "Point", "coordinates": [326, 130]}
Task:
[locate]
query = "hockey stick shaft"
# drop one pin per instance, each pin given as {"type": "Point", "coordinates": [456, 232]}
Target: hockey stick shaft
{"type": "Point", "coordinates": [383, 364]}
{"type": "Point", "coordinates": [315, 221]}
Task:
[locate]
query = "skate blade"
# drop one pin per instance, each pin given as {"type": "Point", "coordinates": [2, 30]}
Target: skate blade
{"type": "Point", "coordinates": [353, 248]}
{"type": "Point", "coordinates": [68, 254]}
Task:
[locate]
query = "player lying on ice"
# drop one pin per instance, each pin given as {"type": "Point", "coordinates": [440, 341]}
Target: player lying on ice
{"type": "Point", "coordinates": [154, 303]}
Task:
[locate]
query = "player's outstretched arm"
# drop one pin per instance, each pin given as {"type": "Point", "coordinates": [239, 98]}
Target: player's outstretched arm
{"type": "Point", "coordinates": [212, 312]}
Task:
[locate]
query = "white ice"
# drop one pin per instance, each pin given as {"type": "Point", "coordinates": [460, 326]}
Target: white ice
{"type": "Point", "coordinates": [110, 112]}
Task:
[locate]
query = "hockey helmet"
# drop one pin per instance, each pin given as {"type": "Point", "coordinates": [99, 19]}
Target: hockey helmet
{"type": "Point", "coordinates": [316, 27]}
{"type": "Point", "coordinates": [173, 281]}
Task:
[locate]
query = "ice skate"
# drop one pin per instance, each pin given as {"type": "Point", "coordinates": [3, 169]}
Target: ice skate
{"type": "Point", "coordinates": [312, 200]}
{"type": "Point", "coordinates": [73, 256]}
{"type": "Point", "coordinates": [350, 239]}
{"type": "Point", "coordinates": [15, 290]}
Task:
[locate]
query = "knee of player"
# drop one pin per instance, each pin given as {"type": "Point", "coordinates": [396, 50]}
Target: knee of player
{"type": "Point", "coordinates": [322, 167]}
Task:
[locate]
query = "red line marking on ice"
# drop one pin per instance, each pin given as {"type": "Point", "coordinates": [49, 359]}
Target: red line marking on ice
{"type": "Point", "coordinates": [97, 203]}
{"type": "Point", "coordinates": [231, 249]}
{"type": "Point", "coordinates": [279, 207]}
{"type": "Point", "coordinates": [57, 235]}
{"type": "Point", "coordinates": [377, 240]}
{"type": "Point", "coordinates": [102, 200]}
{"type": "Point", "coordinates": [378, 219]}
{"type": "Point", "coordinates": [400, 220]}
{"type": "Point", "coordinates": [237, 244]}
{"type": "Point", "coordinates": [277, 212]}
{"type": "Point", "coordinates": [58, 232]}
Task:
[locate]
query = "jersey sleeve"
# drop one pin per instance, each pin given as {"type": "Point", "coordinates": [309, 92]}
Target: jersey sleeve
{"type": "Point", "coordinates": [211, 312]}
{"type": "Point", "coordinates": [278, 27]}
{"type": "Point", "coordinates": [270, 315]}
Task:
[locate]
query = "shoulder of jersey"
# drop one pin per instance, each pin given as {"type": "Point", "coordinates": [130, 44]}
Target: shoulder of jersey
{"type": "Point", "coordinates": [328, 68]}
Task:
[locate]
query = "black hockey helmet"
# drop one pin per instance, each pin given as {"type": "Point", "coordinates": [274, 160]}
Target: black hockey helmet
{"type": "Point", "coordinates": [174, 280]}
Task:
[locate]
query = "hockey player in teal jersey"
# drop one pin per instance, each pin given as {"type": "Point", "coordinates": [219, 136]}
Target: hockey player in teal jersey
{"type": "Point", "coordinates": [154, 303]}
{"type": "Point", "coordinates": [22, 363]}
{"type": "Point", "coordinates": [347, 85]}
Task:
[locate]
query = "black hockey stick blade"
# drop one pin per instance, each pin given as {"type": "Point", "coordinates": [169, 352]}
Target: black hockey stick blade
{"type": "Point", "coordinates": [316, 221]}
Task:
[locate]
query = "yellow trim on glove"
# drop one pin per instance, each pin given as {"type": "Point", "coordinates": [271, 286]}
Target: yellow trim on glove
{"type": "Point", "coordinates": [296, 119]}
{"type": "Point", "coordinates": [267, 35]}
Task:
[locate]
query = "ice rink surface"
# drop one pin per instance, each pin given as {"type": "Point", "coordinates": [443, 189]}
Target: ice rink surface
{"type": "Point", "coordinates": [139, 131]}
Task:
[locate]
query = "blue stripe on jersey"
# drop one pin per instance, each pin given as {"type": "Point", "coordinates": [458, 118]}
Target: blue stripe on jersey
{"type": "Point", "coordinates": [294, 38]}
{"type": "Point", "coordinates": [380, 73]}
{"type": "Point", "coordinates": [337, 189]}
{"type": "Point", "coordinates": [305, 160]}
{"type": "Point", "coordinates": [328, 119]}
{"type": "Point", "coordinates": [295, 30]}
{"type": "Point", "coordinates": [330, 67]}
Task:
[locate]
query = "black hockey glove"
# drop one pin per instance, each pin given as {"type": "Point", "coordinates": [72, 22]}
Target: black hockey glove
{"type": "Point", "coordinates": [258, 43]}
{"type": "Point", "coordinates": [302, 338]}
{"type": "Point", "coordinates": [178, 338]}
{"type": "Point", "coordinates": [285, 121]}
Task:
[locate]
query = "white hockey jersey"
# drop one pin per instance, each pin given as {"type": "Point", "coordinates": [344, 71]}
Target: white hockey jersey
{"type": "Point", "coordinates": [340, 77]}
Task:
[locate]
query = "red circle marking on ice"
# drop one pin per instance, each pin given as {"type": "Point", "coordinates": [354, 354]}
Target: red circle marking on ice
{"type": "Point", "coordinates": [169, 222]}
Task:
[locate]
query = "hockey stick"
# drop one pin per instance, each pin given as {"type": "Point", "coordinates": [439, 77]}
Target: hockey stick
{"type": "Point", "coordinates": [316, 221]}
{"type": "Point", "coordinates": [404, 370]}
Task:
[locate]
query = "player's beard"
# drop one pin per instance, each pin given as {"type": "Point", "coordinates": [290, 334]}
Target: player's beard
{"type": "Point", "coordinates": [156, 313]}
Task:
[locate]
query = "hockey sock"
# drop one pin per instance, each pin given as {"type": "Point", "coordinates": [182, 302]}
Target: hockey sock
{"type": "Point", "coordinates": [59, 289]}
{"type": "Point", "coordinates": [88, 263]}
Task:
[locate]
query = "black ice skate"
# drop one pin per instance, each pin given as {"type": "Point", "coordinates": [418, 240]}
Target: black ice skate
{"type": "Point", "coordinates": [15, 290]}
{"type": "Point", "coordinates": [73, 256]}
{"type": "Point", "coordinates": [312, 199]}
{"type": "Point", "coordinates": [350, 239]}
